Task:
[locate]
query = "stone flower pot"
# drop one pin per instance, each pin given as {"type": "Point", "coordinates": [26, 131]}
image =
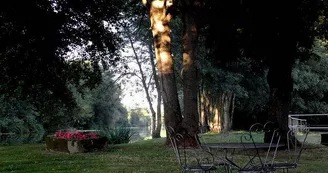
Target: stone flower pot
{"type": "Point", "coordinates": [73, 145]}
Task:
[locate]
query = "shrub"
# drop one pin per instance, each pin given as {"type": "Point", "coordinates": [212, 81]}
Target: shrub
{"type": "Point", "coordinates": [119, 135]}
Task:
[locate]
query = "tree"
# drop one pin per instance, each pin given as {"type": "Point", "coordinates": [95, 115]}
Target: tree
{"type": "Point", "coordinates": [310, 81]}
{"type": "Point", "coordinates": [138, 39]}
{"type": "Point", "coordinates": [157, 132]}
{"type": "Point", "coordinates": [143, 78]}
{"type": "Point", "coordinates": [189, 69]}
{"type": "Point", "coordinates": [226, 90]}
{"type": "Point", "coordinates": [19, 117]}
{"type": "Point", "coordinates": [286, 40]}
{"type": "Point", "coordinates": [160, 18]}
{"type": "Point", "coordinates": [286, 32]}
{"type": "Point", "coordinates": [35, 47]}
{"type": "Point", "coordinates": [40, 44]}
{"type": "Point", "coordinates": [239, 29]}
{"type": "Point", "coordinates": [103, 105]}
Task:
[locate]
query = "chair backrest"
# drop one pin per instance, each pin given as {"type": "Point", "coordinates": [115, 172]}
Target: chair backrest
{"type": "Point", "coordinates": [189, 157]}
{"type": "Point", "coordinates": [275, 133]}
{"type": "Point", "coordinates": [273, 147]}
{"type": "Point", "coordinates": [296, 146]}
{"type": "Point", "coordinates": [174, 139]}
{"type": "Point", "coordinates": [254, 159]}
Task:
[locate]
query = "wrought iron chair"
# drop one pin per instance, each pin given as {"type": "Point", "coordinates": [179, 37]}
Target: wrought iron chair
{"type": "Point", "coordinates": [256, 163]}
{"type": "Point", "coordinates": [218, 161]}
{"type": "Point", "coordinates": [192, 159]}
{"type": "Point", "coordinates": [294, 149]}
{"type": "Point", "coordinates": [274, 143]}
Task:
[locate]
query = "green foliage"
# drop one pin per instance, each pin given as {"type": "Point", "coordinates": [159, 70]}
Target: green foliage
{"type": "Point", "coordinates": [249, 86]}
{"type": "Point", "coordinates": [139, 117]}
{"type": "Point", "coordinates": [38, 51]}
{"type": "Point", "coordinates": [56, 116]}
{"type": "Point", "coordinates": [46, 49]}
{"type": "Point", "coordinates": [100, 108]}
{"type": "Point", "coordinates": [311, 82]}
{"type": "Point", "coordinates": [118, 135]}
{"type": "Point", "coordinates": [26, 138]}
{"type": "Point", "coordinates": [18, 116]}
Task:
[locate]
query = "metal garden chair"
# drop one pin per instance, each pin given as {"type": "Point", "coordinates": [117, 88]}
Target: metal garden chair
{"type": "Point", "coordinates": [294, 149]}
{"type": "Point", "coordinates": [256, 163]}
{"type": "Point", "coordinates": [274, 144]}
{"type": "Point", "coordinates": [192, 159]}
{"type": "Point", "coordinates": [219, 160]}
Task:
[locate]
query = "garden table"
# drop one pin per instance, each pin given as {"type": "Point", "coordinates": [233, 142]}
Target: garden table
{"type": "Point", "coordinates": [233, 146]}
{"type": "Point", "coordinates": [240, 145]}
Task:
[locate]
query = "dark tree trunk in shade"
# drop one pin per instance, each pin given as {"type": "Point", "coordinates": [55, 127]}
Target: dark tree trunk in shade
{"type": "Point", "coordinates": [281, 85]}
{"type": "Point", "coordinates": [189, 73]}
{"type": "Point", "coordinates": [227, 106]}
{"type": "Point", "coordinates": [281, 51]}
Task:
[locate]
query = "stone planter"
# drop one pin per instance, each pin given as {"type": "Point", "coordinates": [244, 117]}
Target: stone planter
{"type": "Point", "coordinates": [75, 146]}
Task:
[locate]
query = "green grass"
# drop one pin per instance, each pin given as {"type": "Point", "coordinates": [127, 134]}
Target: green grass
{"type": "Point", "coordinates": [142, 156]}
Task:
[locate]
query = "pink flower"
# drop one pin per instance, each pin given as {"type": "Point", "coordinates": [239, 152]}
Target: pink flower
{"type": "Point", "coordinates": [76, 135]}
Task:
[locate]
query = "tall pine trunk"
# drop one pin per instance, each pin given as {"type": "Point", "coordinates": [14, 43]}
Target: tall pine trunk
{"type": "Point", "coordinates": [282, 53]}
{"type": "Point", "coordinates": [160, 25]}
{"type": "Point", "coordinates": [189, 72]}
{"type": "Point", "coordinates": [281, 85]}
{"type": "Point", "coordinates": [227, 98]}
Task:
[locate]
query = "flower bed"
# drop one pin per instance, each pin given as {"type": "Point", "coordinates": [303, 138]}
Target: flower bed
{"type": "Point", "coordinates": [75, 141]}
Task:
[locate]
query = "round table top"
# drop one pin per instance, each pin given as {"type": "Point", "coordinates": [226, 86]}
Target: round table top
{"type": "Point", "coordinates": [240, 145]}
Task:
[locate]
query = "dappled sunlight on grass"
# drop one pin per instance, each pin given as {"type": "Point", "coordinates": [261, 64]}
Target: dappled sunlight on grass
{"type": "Point", "coordinates": [238, 132]}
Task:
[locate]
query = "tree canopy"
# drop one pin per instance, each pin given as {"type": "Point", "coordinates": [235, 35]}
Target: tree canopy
{"type": "Point", "coordinates": [41, 39]}
{"type": "Point", "coordinates": [214, 59]}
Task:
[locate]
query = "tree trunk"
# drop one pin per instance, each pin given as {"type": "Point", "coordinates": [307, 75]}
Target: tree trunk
{"type": "Point", "coordinates": [217, 118]}
{"type": "Point", "coordinates": [232, 111]}
{"type": "Point", "coordinates": [199, 106]}
{"type": "Point", "coordinates": [203, 109]}
{"type": "Point", "coordinates": [205, 125]}
{"type": "Point", "coordinates": [158, 129]}
{"type": "Point", "coordinates": [227, 100]}
{"type": "Point", "coordinates": [144, 84]}
{"type": "Point", "coordinates": [160, 19]}
{"type": "Point", "coordinates": [282, 53]}
{"type": "Point", "coordinates": [226, 116]}
{"type": "Point", "coordinates": [189, 72]}
{"type": "Point", "coordinates": [157, 132]}
{"type": "Point", "coordinates": [281, 85]}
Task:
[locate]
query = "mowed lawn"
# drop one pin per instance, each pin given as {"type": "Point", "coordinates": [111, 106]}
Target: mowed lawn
{"type": "Point", "coordinates": [143, 156]}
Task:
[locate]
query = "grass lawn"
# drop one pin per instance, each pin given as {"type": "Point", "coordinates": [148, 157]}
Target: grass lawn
{"type": "Point", "coordinates": [142, 156]}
